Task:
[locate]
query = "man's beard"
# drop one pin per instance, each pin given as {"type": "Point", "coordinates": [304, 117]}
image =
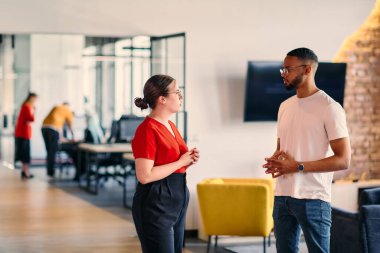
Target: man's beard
{"type": "Point", "coordinates": [295, 83]}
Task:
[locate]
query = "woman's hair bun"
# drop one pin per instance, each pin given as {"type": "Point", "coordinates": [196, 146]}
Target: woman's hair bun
{"type": "Point", "coordinates": [141, 103]}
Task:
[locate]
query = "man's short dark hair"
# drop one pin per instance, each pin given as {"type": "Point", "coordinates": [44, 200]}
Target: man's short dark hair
{"type": "Point", "coordinates": [304, 53]}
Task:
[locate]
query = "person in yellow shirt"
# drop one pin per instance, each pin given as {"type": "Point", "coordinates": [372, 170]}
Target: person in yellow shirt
{"type": "Point", "coordinates": [52, 128]}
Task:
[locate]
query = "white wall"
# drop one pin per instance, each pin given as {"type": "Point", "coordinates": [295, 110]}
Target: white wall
{"type": "Point", "coordinates": [55, 68]}
{"type": "Point", "coordinates": [222, 35]}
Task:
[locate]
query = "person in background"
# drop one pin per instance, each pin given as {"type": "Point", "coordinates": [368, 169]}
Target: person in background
{"type": "Point", "coordinates": [162, 158]}
{"type": "Point", "coordinates": [309, 124]}
{"type": "Point", "coordinates": [93, 126]}
{"type": "Point", "coordinates": [23, 134]}
{"type": "Point", "coordinates": [52, 128]}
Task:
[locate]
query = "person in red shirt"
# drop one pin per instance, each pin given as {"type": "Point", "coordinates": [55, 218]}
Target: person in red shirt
{"type": "Point", "coordinates": [162, 158]}
{"type": "Point", "coordinates": [23, 134]}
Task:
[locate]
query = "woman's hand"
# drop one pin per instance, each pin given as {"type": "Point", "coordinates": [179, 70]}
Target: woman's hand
{"type": "Point", "coordinates": [195, 155]}
{"type": "Point", "coordinates": [191, 157]}
{"type": "Point", "coordinates": [187, 158]}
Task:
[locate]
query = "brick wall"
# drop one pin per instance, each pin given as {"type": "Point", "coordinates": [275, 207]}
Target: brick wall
{"type": "Point", "coordinates": [361, 52]}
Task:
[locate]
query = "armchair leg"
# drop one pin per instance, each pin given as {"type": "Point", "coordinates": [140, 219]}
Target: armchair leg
{"type": "Point", "coordinates": [264, 245]}
{"type": "Point", "coordinates": [216, 241]}
{"type": "Point", "coordinates": [269, 240]}
{"type": "Point", "coordinates": [208, 243]}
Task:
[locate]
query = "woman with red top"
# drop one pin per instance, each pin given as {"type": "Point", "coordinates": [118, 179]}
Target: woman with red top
{"type": "Point", "coordinates": [23, 134]}
{"type": "Point", "coordinates": [162, 157]}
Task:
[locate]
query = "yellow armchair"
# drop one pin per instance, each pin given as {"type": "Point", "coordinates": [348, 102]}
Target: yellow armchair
{"type": "Point", "coordinates": [236, 207]}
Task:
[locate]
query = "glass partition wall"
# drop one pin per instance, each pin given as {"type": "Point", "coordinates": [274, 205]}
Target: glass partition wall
{"type": "Point", "coordinates": [7, 97]}
{"type": "Point", "coordinates": [100, 74]}
{"type": "Point", "coordinates": [168, 56]}
{"type": "Point", "coordinates": [118, 70]}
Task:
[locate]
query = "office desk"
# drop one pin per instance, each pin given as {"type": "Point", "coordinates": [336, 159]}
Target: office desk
{"type": "Point", "coordinates": [120, 148]}
{"type": "Point", "coordinates": [129, 157]}
{"type": "Point", "coordinates": [92, 154]}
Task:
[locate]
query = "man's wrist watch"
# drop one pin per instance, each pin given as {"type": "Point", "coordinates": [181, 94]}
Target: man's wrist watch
{"type": "Point", "coordinates": [301, 167]}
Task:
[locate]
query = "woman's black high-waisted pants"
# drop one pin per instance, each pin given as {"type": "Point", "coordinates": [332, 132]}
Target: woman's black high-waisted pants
{"type": "Point", "coordinates": [159, 212]}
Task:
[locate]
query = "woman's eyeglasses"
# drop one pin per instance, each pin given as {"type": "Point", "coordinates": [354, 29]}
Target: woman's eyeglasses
{"type": "Point", "coordinates": [178, 92]}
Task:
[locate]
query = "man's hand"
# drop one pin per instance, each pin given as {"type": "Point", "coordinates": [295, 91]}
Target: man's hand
{"type": "Point", "coordinates": [274, 156]}
{"type": "Point", "coordinates": [280, 163]}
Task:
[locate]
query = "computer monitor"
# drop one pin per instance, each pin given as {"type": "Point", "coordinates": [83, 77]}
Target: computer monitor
{"type": "Point", "coordinates": [127, 126]}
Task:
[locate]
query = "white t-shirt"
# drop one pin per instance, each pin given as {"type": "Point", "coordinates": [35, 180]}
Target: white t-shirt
{"type": "Point", "coordinates": [305, 127]}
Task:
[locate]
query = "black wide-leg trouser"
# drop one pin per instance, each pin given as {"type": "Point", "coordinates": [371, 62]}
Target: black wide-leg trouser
{"type": "Point", "coordinates": [51, 139]}
{"type": "Point", "coordinates": [159, 212]}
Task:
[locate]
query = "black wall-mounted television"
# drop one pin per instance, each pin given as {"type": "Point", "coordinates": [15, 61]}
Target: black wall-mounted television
{"type": "Point", "coordinates": [265, 90]}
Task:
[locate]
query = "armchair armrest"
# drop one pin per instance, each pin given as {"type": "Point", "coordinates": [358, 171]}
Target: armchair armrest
{"type": "Point", "coordinates": [345, 232]}
{"type": "Point", "coordinates": [344, 214]}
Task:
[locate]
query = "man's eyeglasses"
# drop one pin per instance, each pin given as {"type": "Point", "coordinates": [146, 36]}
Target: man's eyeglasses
{"type": "Point", "coordinates": [285, 71]}
{"type": "Point", "coordinates": [178, 92]}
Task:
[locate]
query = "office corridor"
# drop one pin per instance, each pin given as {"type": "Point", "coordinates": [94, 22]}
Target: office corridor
{"type": "Point", "coordinates": [35, 216]}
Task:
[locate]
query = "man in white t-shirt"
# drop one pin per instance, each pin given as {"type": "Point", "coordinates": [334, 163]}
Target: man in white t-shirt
{"type": "Point", "coordinates": [312, 143]}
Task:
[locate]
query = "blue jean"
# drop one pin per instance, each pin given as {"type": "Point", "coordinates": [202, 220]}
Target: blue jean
{"type": "Point", "coordinates": [291, 215]}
